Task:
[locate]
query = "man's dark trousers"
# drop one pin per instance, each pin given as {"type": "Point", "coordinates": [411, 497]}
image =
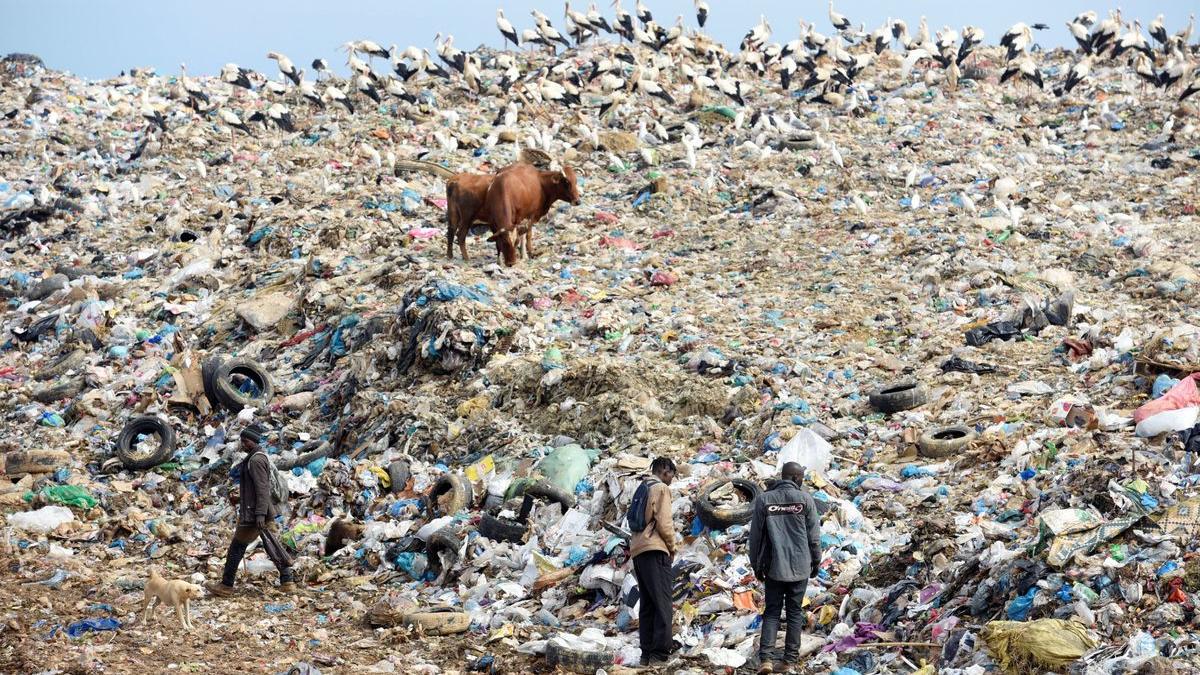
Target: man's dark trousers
{"type": "Point", "coordinates": [788, 596]}
{"type": "Point", "coordinates": [653, 571]}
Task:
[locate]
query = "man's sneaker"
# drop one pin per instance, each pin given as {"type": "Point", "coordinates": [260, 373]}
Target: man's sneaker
{"type": "Point", "coordinates": [766, 667]}
{"type": "Point", "coordinates": [219, 589]}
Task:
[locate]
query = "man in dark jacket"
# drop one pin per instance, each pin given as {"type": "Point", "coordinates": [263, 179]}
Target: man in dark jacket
{"type": "Point", "coordinates": [256, 517]}
{"type": "Point", "coordinates": [785, 550]}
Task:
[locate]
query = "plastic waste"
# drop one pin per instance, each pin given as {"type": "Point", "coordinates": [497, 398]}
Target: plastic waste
{"type": "Point", "coordinates": [79, 628]}
{"type": "Point", "coordinates": [70, 495]}
{"type": "Point", "coordinates": [43, 520]}
{"type": "Point", "coordinates": [807, 449]}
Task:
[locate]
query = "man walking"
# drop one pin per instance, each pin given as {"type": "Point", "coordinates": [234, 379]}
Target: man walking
{"type": "Point", "coordinates": [652, 549]}
{"type": "Point", "coordinates": [785, 550]}
{"type": "Point", "coordinates": [256, 517]}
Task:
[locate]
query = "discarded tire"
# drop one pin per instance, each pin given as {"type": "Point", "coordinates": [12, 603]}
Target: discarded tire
{"type": "Point", "coordinates": [35, 461]}
{"type": "Point", "coordinates": [577, 660]}
{"type": "Point", "coordinates": [398, 474]}
{"type": "Point", "coordinates": [447, 540]}
{"type": "Point", "coordinates": [720, 517]}
{"type": "Point", "coordinates": [502, 529]}
{"type": "Point", "coordinates": [127, 443]}
{"type": "Point", "coordinates": [61, 365]}
{"type": "Point", "coordinates": [898, 396]}
{"type": "Point", "coordinates": [254, 388]}
{"type": "Point", "coordinates": [439, 621]}
{"type": "Point", "coordinates": [208, 376]}
{"type": "Point", "coordinates": [551, 493]}
{"type": "Point", "coordinates": [458, 489]}
{"type": "Point", "coordinates": [939, 443]}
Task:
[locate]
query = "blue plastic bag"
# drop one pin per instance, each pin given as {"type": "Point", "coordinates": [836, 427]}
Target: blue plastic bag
{"type": "Point", "coordinates": [1022, 605]}
{"type": "Point", "coordinates": [92, 625]}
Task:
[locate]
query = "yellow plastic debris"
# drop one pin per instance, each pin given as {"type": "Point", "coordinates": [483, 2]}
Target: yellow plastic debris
{"type": "Point", "coordinates": [1021, 647]}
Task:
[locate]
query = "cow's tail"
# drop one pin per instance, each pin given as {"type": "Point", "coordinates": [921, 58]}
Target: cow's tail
{"type": "Point", "coordinates": [421, 165]}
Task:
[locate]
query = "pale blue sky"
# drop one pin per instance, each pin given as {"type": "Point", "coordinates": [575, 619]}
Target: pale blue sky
{"type": "Point", "coordinates": [99, 38]}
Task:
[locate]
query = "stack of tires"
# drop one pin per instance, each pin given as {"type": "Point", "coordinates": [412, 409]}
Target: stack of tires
{"type": "Point", "coordinates": [230, 384]}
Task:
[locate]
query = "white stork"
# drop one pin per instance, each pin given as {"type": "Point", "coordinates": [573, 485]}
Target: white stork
{"type": "Point", "coordinates": [232, 121]}
{"type": "Point", "coordinates": [285, 66]}
{"type": "Point", "coordinates": [1016, 40]}
{"type": "Point", "coordinates": [839, 21]}
{"type": "Point", "coordinates": [336, 95]}
{"type": "Point", "coordinates": [506, 28]}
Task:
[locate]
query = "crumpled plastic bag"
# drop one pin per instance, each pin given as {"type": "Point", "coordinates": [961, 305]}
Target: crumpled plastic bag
{"type": "Point", "coordinates": [45, 519]}
{"type": "Point", "coordinates": [566, 466]}
{"type": "Point", "coordinates": [92, 625]}
{"type": "Point", "coordinates": [70, 495]}
{"type": "Point", "coordinates": [808, 450]}
{"type": "Point", "coordinates": [1184, 394]}
{"type": "Point", "coordinates": [1036, 646]}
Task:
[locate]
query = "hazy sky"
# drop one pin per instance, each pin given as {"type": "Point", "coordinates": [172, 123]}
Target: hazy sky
{"type": "Point", "coordinates": [99, 38]}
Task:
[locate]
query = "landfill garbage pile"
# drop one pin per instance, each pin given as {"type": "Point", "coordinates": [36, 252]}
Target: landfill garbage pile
{"type": "Point", "coordinates": [967, 309]}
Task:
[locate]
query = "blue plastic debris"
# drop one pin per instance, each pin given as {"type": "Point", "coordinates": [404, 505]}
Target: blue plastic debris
{"type": "Point", "coordinates": [92, 625]}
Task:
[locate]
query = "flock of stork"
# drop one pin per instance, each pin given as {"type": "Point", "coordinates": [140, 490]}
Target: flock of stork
{"type": "Point", "coordinates": [670, 64]}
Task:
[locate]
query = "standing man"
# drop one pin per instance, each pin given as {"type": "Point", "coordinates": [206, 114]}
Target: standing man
{"type": "Point", "coordinates": [653, 549]}
{"type": "Point", "coordinates": [785, 550]}
{"type": "Point", "coordinates": [256, 517]}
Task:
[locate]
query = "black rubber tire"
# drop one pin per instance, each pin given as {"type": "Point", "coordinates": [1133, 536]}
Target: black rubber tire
{"type": "Point", "coordinates": [578, 660]}
{"type": "Point", "coordinates": [944, 442]}
{"type": "Point", "coordinates": [232, 399]}
{"type": "Point", "coordinates": [552, 493]}
{"type": "Point", "coordinates": [398, 473]}
{"type": "Point", "coordinates": [445, 539]}
{"type": "Point", "coordinates": [61, 365]}
{"type": "Point", "coordinates": [462, 495]}
{"type": "Point", "coordinates": [35, 461]}
{"type": "Point", "coordinates": [721, 518]}
{"type": "Point", "coordinates": [898, 396]}
{"type": "Point", "coordinates": [146, 424]}
{"type": "Point", "coordinates": [502, 529]}
{"type": "Point", "coordinates": [208, 372]}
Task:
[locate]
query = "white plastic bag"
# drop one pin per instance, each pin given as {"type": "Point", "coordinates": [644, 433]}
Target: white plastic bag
{"type": "Point", "coordinates": [45, 519]}
{"type": "Point", "coordinates": [1170, 420]}
{"type": "Point", "coordinates": [432, 526]}
{"type": "Point", "coordinates": [808, 450]}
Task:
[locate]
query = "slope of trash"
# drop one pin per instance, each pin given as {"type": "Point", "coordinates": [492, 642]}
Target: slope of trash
{"type": "Point", "coordinates": [950, 306]}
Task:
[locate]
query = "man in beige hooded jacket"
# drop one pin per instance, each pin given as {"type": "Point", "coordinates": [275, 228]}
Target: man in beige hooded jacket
{"type": "Point", "coordinates": [653, 551]}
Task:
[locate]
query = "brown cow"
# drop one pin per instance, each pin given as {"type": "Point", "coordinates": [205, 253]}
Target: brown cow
{"type": "Point", "coordinates": [519, 197]}
{"type": "Point", "coordinates": [465, 193]}
{"type": "Point", "coordinates": [465, 196]}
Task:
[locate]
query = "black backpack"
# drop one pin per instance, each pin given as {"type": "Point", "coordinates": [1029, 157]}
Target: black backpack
{"type": "Point", "coordinates": [637, 508]}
